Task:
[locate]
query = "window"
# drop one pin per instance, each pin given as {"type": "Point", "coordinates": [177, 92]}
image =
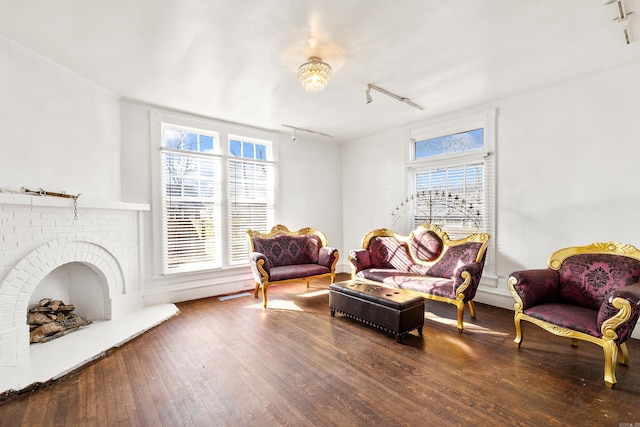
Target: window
{"type": "Point", "coordinates": [450, 179]}
{"type": "Point", "coordinates": [250, 194]}
{"type": "Point", "coordinates": [214, 185]}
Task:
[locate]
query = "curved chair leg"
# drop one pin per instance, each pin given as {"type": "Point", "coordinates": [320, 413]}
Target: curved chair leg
{"type": "Point", "coordinates": [472, 309]}
{"type": "Point", "coordinates": [623, 354]}
{"type": "Point", "coordinates": [460, 305]}
{"type": "Point", "coordinates": [257, 290]}
{"type": "Point", "coordinates": [264, 296]}
{"type": "Point", "coordinates": [518, 340]}
{"type": "Point", "coordinates": [610, 355]}
{"type": "Point", "coordinates": [333, 278]}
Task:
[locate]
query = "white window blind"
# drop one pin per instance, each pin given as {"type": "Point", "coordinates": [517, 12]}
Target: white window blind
{"type": "Point", "coordinates": [190, 211]}
{"type": "Point", "coordinates": [451, 197]}
{"type": "Point", "coordinates": [250, 203]}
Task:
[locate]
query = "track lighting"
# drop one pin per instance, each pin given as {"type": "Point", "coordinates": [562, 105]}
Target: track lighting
{"type": "Point", "coordinates": [622, 19]}
{"type": "Point", "coordinates": [294, 129]}
{"type": "Point", "coordinates": [368, 97]}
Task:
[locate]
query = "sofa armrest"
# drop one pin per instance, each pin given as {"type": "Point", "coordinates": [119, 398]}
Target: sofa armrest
{"type": "Point", "coordinates": [328, 257]}
{"type": "Point", "coordinates": [630, 292]}
{"type": "Point", "coordinates": [612, 320]}
{"type": "Point", "coordinates": [466, 280]}
{"type": "Point", "coordinates": [260, 267]}
{"type": "Point", "coordinates": [535, 286]}
{"type": "Point", "coordinates": [359, 260]}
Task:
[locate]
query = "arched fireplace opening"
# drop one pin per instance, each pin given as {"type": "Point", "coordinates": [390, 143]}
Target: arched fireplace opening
{"type": "Point", "coordinates": [78, 284]}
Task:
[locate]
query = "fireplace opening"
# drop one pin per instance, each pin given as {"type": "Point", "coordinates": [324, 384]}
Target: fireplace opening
{"type": "Point", "coordinates": [71, 296]}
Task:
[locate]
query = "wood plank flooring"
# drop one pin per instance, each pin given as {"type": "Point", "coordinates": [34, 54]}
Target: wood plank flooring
{"type": "Point", "coordinates": [232, 363]}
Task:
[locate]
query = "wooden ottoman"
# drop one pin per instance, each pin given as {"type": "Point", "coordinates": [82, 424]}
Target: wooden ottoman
{"type": "Point", "coordinates": [392, 310]}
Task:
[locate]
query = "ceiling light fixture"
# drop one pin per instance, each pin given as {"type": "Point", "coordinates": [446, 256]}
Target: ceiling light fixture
{"type": "Point", "coordinates": [368, 98]}
{"type": "Point", "coordinates": [622, 19]}
{"type": "Point", "coordinates": [295, 128]}
{"type": "Point", "coordinates": [367, 94]}
{"type": "Point", "coordinates": [314, 74]}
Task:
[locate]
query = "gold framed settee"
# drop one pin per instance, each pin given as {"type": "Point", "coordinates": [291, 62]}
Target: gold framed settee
{"type": "Point", "coordinates": [282, 256]}
{"type": "Point", "coordinates": [426, 263]}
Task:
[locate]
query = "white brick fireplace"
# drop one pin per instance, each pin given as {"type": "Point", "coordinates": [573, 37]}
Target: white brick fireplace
{"type": "Point", "coordinates": [90, 259]}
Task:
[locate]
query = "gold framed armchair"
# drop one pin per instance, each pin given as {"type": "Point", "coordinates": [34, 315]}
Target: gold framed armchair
{"type": "Point", "coordinates": [588, 293]}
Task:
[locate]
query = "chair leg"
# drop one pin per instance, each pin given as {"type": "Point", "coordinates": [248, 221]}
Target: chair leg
{"type": "Point", "coordinates": [460, 305]}
{"type": "Point", "coordinates": [472, 309]}
{"type": "Point", "coordinates": [516, 320]}
{"type": "Point", "coordinates": [257, 290]}
{"type": "Point", "coordinates": [264, 296]}
{"type": "Point", "coordinates": [574, 342]}
{"type": "Point", "coordinates": [610, 355]}
{"type": "Point", "coordinates": [623, 354]}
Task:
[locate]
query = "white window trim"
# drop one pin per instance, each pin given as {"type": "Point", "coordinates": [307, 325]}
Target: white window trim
{"type": "Point", "coordinates": [487, 121]}
{"type": "Point", "coordinates": [224, 130]}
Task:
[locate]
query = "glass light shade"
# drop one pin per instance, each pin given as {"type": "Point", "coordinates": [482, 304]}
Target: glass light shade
{"type": "Point", "coordinates": [314, 75]}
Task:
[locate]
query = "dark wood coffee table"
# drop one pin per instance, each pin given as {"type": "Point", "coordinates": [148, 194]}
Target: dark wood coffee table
{"type": "Point", "coordinates": [392, 310]}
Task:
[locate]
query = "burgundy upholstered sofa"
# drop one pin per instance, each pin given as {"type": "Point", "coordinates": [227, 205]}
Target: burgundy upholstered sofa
{"type": "Point", "coordinates": [426, 263]}
{"type": "Point", "coordinates": [588, 293]}
{"type": "Point", "coordinates": [282, 256]}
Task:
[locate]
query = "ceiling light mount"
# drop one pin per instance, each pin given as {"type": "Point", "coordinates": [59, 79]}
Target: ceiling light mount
{"type": "Point", "coordinates": [622, 19]}
{"type": "Point", "coordinates": [314, 74]}
{"type": "Point", "coordinates": [295, 129]}
{"type": "Point", "coordinates": [407, 101]}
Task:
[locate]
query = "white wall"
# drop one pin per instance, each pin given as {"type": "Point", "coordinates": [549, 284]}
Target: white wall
{"type": "Point", "coordinates": [58, 131]}
{"type": "Point", "coordinates": [567, 172]}
{"type": "Point", "coordinates": [310, 188]}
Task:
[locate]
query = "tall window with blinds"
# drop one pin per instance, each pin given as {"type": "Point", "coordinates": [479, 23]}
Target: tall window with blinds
{"type": "Point", "coordinates": [250, 193]}
{"type": "Point", "coordinates": [451, 179]}
{"type": "Point", "coordinates": [191, 199]}
{"type": "Point", "coordinates": [214, 187]}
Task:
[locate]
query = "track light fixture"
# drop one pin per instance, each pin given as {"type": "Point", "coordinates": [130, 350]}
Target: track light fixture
{"type": "Point", "coordinates": [294, 129]}
{"type": "Point", "coordinates": [622, 19]}
{"type": "Point", "coordinates": [368, 97]}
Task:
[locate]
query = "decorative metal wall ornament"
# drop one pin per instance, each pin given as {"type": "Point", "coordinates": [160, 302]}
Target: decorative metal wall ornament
{"type": "Point", "coordinates": [434, 206]}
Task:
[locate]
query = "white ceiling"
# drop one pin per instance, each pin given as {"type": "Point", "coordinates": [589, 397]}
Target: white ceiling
{"type": "Point", "coordinates": [236, 60]}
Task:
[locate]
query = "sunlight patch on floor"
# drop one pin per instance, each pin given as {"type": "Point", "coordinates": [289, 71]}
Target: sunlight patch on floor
{"type": "Point", "coordinates": [467, 326]}
{"type": "Point", "coordinates": [277, 305]}
{"type": "Point", "coordinates": [314, 294]}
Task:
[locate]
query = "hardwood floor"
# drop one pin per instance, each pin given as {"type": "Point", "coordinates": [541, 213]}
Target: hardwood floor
{"type": "Point", "coordinates": [233, 363]}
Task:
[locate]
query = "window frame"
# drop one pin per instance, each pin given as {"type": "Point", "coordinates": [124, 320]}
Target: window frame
{"type": "Point", "coordinates": [487, 121]}
{"type": "Point", "coordinates": [224, 132]}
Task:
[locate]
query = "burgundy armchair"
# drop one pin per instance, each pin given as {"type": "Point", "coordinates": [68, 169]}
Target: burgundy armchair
{"type": "Point", "coordinates": [588, 293]}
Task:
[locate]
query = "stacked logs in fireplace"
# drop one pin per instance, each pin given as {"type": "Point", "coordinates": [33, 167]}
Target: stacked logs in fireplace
{"type": "Point", "coordinates": [51, 319]}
